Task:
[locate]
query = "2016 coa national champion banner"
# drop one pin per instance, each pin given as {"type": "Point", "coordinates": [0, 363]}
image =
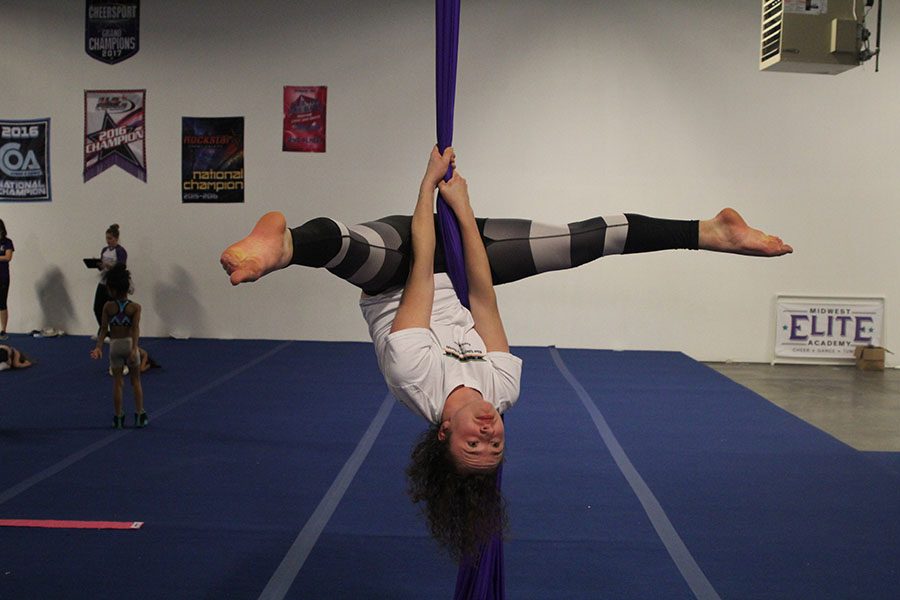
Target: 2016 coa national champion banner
{"type": "Point", "coordinates": [25, 160]}
{"type": "Point", "coordinates": [212, 159]}
{"type": "Point", "coordinates": [114, 132]}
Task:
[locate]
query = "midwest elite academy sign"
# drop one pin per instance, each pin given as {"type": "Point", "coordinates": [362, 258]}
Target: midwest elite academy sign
{"type": "Point", "coordinates": [830, 328]}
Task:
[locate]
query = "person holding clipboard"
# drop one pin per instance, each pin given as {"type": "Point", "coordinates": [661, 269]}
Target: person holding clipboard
{"type": "Point", "coordinates": [111, 255]}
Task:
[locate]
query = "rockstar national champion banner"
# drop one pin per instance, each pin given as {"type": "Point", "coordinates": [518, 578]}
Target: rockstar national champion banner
{"type": "Point", "coordinates": [25, 160]}
{"type": "Point", "coordinates": [111, 29]}
{"type": "Point", "coordinates": [212, 159]}
{"type": "Point", "coordinates": [304, 118]}
{"type": "Point", "coordinates": [114, 132]}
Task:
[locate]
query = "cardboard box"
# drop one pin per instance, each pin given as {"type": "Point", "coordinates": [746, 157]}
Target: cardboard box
{"type": "Point", "coordinates": [869, 358]}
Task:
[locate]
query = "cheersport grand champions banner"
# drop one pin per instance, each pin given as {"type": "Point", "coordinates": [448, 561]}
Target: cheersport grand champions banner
{"type": "Point", "coordinates": [212, 159]}
{"type": "Point", "coordinates": [25, 160]}
{"type": "Point", "coordinates": [304, 118]}
{"type": "Point", "coordinates": [111, 29]}
{"type": "Point", "coordinates": [826, 328]}
{"type": "Point", "coordinates": [114, 132]}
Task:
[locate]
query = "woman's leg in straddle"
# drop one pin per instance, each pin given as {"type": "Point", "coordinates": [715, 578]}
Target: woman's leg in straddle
{"type": "Point", "coordinates": [374, 256]}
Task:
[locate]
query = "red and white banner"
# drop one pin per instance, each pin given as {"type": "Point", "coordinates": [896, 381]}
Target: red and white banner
{"type": "Point", "coordinates": [304, 118]}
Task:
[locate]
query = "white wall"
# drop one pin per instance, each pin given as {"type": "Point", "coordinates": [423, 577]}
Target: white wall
{"type": "Point", "coordinates": [565, 109]}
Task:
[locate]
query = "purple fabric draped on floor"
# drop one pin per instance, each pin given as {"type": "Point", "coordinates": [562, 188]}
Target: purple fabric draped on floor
{"type": "Point", "coordinates": [481, 577]}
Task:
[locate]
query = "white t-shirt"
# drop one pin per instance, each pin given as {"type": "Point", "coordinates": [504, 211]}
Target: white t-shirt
{"type": "Point", "coordinates": [422, 366]}
{"type": "Point", "coordinates": [108, 258]}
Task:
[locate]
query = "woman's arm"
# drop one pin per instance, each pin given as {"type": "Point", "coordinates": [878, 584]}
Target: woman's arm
{"type": "Point", "coordinates": [418, 293]}
{"type": "Point", "coordinates": [135, 325]}
{"type": "Point", "coordinates": [7, 256]}
{"type": "Point", "coordinates": [482, 298]}
{"type": "Point", "coordinates": [18, 360]}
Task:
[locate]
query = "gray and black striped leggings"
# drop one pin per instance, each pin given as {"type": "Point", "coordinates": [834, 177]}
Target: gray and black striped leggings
{"type": "Point", "coordinates": [374, 256]}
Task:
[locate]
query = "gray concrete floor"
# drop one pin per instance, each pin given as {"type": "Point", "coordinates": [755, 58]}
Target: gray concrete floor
{"type": "Point", "coordinates": [860, 408]}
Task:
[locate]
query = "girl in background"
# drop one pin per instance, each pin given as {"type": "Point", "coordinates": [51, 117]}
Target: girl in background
{"type": "Point", "coordinates": [10, 358]}
{"type": "Point", "coordinates": [6, 254]}
{"type": "Point", "coordinates": [111, 255]}
{"type": "Point", "coordinates": [121, 320]}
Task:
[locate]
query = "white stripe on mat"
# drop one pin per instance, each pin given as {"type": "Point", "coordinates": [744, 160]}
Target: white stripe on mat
{"type": "Point", "coordinates": [290, 566]}
{"type": "Point", "coordinates": [679, 552]}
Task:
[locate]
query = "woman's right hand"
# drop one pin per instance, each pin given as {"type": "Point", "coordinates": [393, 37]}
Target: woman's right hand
{"type": "Point", "coordinates": [438, 164]}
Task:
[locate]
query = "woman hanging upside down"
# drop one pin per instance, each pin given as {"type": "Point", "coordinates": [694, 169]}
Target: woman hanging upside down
{"type": "Point", "coordinates": [449, 364]}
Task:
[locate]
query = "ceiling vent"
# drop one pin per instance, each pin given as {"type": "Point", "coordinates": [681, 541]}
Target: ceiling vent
{"type": "Point", "coordinates": [814, 36]}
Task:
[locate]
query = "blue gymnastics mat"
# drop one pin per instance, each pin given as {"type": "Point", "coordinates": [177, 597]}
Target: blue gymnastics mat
{"type": "Point", "coordinates": [275, 469]}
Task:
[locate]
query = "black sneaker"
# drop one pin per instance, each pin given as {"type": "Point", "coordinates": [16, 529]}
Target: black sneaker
{"type": "Point", "coordinates": [141, 419]}
{"type": "Point", "coordinates": [118, 421]}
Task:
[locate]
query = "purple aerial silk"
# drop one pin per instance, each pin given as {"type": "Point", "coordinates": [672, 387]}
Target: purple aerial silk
{"type": "Point", "coordinates": [447, 29]}
{"type": "Point", "coordinates": [481, 577]}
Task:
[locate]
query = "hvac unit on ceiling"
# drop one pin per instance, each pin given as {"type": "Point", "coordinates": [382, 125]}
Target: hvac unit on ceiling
{"type": "Point", "coordinates": [815, 36]}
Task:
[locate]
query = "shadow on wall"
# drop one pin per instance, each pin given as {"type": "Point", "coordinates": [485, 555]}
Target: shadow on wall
{"type": "Point", "coordinates": [57, 309]}
{"type": "Point", "coordinates": [177, 306]}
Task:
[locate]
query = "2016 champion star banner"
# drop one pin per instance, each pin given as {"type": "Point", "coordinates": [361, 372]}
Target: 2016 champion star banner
{"type": "Point", "coordinates": [111, 29]}
{"type": "Point", "coordinates": [114, 132]}
{"type": "Point", "coordinates": [25, 160]}
{"type": "Point", "coordinates": [212, 159]}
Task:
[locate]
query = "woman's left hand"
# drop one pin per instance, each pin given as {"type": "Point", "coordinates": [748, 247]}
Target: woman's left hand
{"type": "Point", "coordinates": [455, 193]}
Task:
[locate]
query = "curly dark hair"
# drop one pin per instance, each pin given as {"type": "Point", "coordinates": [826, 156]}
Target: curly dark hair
{"type": "Point", "coordinates": [118, 280]}
{"type": "Point", "coordinates": [463, 510]}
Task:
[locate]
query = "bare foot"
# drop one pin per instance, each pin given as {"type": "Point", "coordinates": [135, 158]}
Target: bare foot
{"type": "Point", "coordinates": [728, 232]}
{"type": "Point", "coordinates": [269, 247]}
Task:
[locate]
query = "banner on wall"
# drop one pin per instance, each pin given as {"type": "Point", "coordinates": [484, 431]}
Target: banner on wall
{"type": "Point", "coordinates": [111, 29]}
{"type": "Point", "coordinates": [826, 328]}
{"type": "Point", "coordinates": [304, 118]}
{"type": "Point", "coordinates": [114, 132]}
{"type": "Point", "coordinates": [212, 159]}
{"type": "Point", "coordinates": [25, 160]}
